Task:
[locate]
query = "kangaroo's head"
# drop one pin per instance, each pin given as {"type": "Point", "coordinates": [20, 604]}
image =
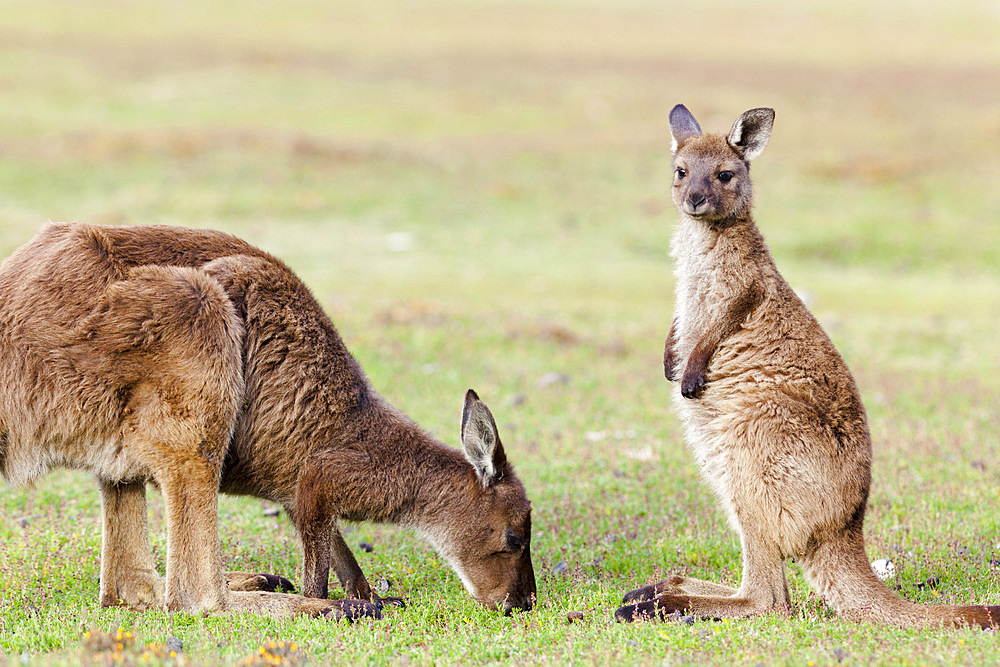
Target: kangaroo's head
{"type": "Point", "coordinates": [712, 172]}
{"type": "Point", "coordinates": [486, 532]}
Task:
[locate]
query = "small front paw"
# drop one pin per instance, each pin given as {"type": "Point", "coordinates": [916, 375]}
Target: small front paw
{"type": "Point", "coordinates": [693, 385]}
{"type": "Point", "coordinates": [352, 610]}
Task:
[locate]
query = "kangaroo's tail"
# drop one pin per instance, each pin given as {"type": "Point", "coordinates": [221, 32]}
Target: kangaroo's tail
{"type": "Point", "coordinates": [839, 570]}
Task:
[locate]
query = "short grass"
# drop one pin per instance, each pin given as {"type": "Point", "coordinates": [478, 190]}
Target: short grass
{"type": "Point", "coordinates": [477, 193]}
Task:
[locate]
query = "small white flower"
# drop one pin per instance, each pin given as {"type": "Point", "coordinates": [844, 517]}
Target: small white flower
{"type": "Point", "coordinates": [884, 568]}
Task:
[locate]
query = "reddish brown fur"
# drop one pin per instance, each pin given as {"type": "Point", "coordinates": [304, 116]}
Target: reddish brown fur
{"type": "Point", "coordinates": [771, 410]}
{"type": "Point", "coordinates": [194, 360]}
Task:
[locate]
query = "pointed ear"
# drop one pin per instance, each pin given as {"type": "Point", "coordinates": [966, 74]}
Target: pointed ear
{"type": "Point", "coordinates": [683, 126]}
{"type": "Point", "coordinates": [480, 440]}
{"type": "Point", "coordinates": [750, 132]}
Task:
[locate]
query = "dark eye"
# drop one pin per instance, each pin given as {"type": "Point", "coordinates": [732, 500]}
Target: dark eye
{"type": "Point", "coordinates": [681, 173]}
{"type": "Point", "coordinates": [514, 542]}
{"type": "Point", "coordinates": [725, 176]}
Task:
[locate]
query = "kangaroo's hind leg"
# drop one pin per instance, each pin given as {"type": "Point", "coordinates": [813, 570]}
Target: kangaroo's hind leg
{"type": "Point", "coordinates": [679, 585]}
{"type": "Point", "coordinates": [182, 330]}
{"type": "Point", "coordinates": [763, 588]}
{"type": "Point", "coordinates": [128, 574]}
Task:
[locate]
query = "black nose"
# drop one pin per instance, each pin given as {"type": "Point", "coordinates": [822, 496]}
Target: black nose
{"type": "Point", "coordinates": [696, 199]}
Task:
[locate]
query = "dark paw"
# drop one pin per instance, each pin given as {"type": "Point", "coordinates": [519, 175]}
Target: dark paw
{"type": "Point", "coordinates": [397, 602]}
{"type": "Point", "coordinates": [643, 611]}
{"type": "Point", "coordinates": [692, 385]}
{"type": "Point", "coordinates": [640, 594]}
{"type": "Point", "coordinates": [274, 583]}
{"type": "Point", "coordinates": [352, 610]}
{"type": "Point", "coordinates": [662, 608]}
{"type": "Point", "coordinates": [668, 363]}
{"type": "Point", "coordinates": [250, 581]}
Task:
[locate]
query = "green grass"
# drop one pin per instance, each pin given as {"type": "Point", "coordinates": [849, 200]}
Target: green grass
{"type": "Point", "coordinates": [522, 149]}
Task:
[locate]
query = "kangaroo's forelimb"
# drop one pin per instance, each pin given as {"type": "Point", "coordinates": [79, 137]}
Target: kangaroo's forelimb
{"type": "Point", "coordinates": [694, 381]}
{"type": "Point", "coordinates": [669, 358]}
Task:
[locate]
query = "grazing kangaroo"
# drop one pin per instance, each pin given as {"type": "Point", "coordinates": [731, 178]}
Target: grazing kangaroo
{"type": "Point", "coordinates": [770, 409]}
{"type": "Point", "coordinates": [191, 359]}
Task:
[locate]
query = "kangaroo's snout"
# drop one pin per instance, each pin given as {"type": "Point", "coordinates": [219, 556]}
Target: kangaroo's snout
{"type": "Point", "coordinates": [523, 605]}
{"type": "Point", "coordinates": [694, 201]}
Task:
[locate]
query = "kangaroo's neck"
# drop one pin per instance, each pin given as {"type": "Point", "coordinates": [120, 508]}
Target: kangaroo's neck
{"type": "Point", "coordinates": [716, 265]}
{"type": "Point", "coordinates": [696, 236]}
{"type": "Point", "coordinates": [406, 475]}
{"type": "Point", "coordinates": [731, 250]}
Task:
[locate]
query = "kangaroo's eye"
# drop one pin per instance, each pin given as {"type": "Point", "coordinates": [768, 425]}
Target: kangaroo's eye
{"type": "Point", "coordinates": [681, 173]}
{"type": "Point", "coordinates": [514, 542]}
{"type": "Point", "coordinates": [725, 176]}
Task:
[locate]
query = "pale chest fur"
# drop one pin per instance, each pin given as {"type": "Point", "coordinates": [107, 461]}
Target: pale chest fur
{"type": "Point", "coordinates": [711, 273]}
{"type": "Point", "coordinates": [709, 277]}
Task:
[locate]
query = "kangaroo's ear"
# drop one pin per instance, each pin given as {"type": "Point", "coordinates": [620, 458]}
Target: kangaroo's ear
{"type": "Point", "coordinates": [683, 126]}
{"type": "Point", "coordinates": [480, 440]}
{"type": "Point", "coordinates": [750, 132]}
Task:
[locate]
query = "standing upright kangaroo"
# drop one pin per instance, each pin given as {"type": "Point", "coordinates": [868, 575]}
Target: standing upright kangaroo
{"type": "Point", "coordinates": [770, 409]}
{"type": "Point", "coordinates": [191, 359]}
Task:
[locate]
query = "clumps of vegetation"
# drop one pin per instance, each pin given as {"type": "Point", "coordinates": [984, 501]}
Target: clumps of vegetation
{"type": "Point", "coordinates": [121, 648]}
{"type": "Point", "coordinates": [275, 653]}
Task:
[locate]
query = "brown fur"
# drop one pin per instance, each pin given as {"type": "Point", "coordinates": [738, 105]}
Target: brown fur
{"type": "Point", "coordinates": [771, 410]}
{"type": "Point", "coordinates": [193, 360]}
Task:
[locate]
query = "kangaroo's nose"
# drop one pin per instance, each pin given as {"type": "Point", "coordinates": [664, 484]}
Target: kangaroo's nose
{"type": "Point", "coordinates": [523, 605]}
{"type": "Point", "coordinates": [695, 199]}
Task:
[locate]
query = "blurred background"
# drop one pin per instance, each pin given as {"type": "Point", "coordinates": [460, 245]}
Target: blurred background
{"type": "Point", "coordinates": [509, 153]}
{"type": "Point", "coordinates": [507, 163]}
{"type": "Point", "coordinates": [478, 194]}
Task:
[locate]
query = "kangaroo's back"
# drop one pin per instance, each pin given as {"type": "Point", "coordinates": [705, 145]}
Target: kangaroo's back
{"type": "Point", "coordinates": [51, 286]}
{"type": "Point", "coordinates": [61, 384]}
{"type": "Point", "coordinates": [303, 388]}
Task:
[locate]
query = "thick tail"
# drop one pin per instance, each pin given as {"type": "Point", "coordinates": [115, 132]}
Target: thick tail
{"type": "Point", "coordinates": [839, 570]}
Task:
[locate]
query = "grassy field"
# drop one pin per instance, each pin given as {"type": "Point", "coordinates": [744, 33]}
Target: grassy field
{"type": "Point", "coordinates": [477, 192]}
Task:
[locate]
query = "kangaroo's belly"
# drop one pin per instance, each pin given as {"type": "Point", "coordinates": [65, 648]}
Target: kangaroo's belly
{"type": "Point", "coordinates": [103, 454]}
{"type": "Point", "coordinates": [779, 446]}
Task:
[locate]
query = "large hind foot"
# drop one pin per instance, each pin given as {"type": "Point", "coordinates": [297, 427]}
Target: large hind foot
{"type": "Point", "coordinates": [251, 581]}
{"type": "Point", "coordinates": [673, 604]}
{"type": "Point", "coordinates": [352, 610]}
{"type": "Point", "coordinates": [647, 610]}
{"type": "Point", "coordinates": [394, 601]}
{"type": "Point", "coordinates": [678, 585]}
{"type": "Point", "coordinates": [705, 607]}
{"type": "Point", "coordinates": [283, 605]}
